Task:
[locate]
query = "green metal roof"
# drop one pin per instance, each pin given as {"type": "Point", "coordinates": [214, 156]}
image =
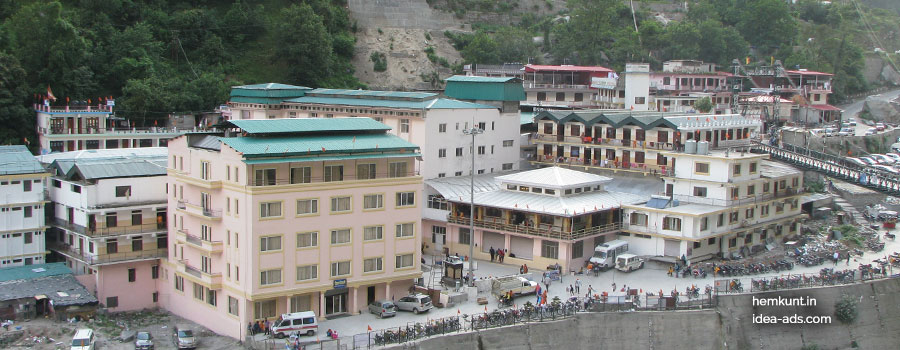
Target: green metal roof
{"type": "Point", "coordinates": [485, 88]}
{"type": "Point", "coordinates": [253, 147]}
{"type": "Point", "coordinates": [437, 103]}
{"type": "Point", "coordinates": [270, 93]}
{"type": "Point", "coordinates": [308, 125]}
{"type": "Point", "coordinates": [645, 120]}
{"type": "Point", "coordinates": [18, 160]}
{"type": "Point", "coordinates": [526, 118]}
{"type": "Point", "coordinates": [372, 94]}
{"type": "Point", "coordinates": [329, 158]}
{"type": "Point", "coordinates": [33, 271]}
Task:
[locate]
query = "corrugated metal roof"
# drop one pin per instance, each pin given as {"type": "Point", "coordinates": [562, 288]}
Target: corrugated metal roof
{"type": "Point", "coordinates": [566, 68]}
{"type": "Point", "coordinates": [771, 169]}
{"type": "Point", "coordinates": [458, 186]}
{"type": "Point", "coordinates": [554, 177]}
{"type": "Point", "coordinates": [258, 100]}
{"type": "Point", "coordinates": [544, 204]}
{"type": "Point", "coordinates": [113, 168]}
{"type": "Point", "coordinates": [271, 86]}
{"type": "Point", "coordinates": [63, 290]}
{"type": "Point", "coordinates": [206, 142]}
{"type": "Point", "coordinates": [328, 158]}
{"type": "Point", "coordinates": [526, 118]}
{"type": "Point", "coordinates": [650, 119]}
{"type": "Point", "coordinates": [33, 271]}
{"type": "Point", "coordinates": [271, 93]}
{"type": "Point", "coordinates": [109, 153]}
{"type": "Point", "coordinates": [18, 160]}
{"type": "Point", "coordinates": [316, 144]}
{"type": "Point", "coordinates": [372, 93]}
{"type": "Point", "coordinates": [438, 103]}
{"type": "Point", "coordinates": [308, 125]}
{"type": "Point", "coordinates": [485, 88]}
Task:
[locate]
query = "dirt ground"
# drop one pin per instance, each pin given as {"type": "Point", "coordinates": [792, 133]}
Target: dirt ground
{"type": "Point", "coordinates": [46, 334]}
{"type": "Point", "coordinates": [407, 61]}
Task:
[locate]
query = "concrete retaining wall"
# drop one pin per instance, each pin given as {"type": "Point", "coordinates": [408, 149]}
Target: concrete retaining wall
{"type": "Point", "coordinates": [730, 326]}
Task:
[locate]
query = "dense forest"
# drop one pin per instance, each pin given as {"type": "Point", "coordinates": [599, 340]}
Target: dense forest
{"type": "Point", "coordinates": [157, 57]}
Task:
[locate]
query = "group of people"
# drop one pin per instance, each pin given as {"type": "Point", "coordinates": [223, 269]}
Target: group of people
{"type": "Point", "coordinates": [497, 255]}
{"type": "Point", "coordinates": [261, 326]}
{"type": "Point", "coordinates": [575, 289]}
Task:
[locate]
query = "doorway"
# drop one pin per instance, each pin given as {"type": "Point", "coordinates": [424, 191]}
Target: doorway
{"type": "Point", "coordinates": [335, 303]}
{"type": "Point", "coordinates": [370, 294]}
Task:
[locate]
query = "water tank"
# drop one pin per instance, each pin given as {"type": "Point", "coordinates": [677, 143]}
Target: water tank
{"type": "Point", "coordinates": [690, 146]}
{"type": "Point", "coordinates": [703, 147]}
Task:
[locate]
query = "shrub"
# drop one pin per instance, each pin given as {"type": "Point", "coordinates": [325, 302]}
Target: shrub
{"type": "Point", "coordinates": [846, 309]}
{"type": "Point", "coordinates": [379, 60]}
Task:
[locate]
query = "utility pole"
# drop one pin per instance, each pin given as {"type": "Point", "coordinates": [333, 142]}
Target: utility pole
{"type": "Point", "coordinates": [473, 131]}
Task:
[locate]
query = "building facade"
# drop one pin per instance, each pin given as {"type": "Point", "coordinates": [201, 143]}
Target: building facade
{"type": "Point", "coordinates": [22, 202]}
{"type": "Point", "coordinates": [64, 129]}
{"type": "Point", "coordinates": [109, 221]}
{"type": "Point", "coordinates": [287, 215]}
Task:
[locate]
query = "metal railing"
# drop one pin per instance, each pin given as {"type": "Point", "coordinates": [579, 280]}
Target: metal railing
{"type": "Point", "coordinates": [98, 130]}
{"type": "Point", "coordinates": [91, 259]}
{"type": "Point", "coordinates": [321, 179]}
{"type": "Point", "coordinates": [551, 232]}
{"type": "Point", "coordinates": [661, 170]}
{"type": "Point", "coordinates": [107, 231]}
{"type": "Point", "coordinates": [739, 201]}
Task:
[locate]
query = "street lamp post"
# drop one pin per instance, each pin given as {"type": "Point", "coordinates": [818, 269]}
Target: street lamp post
{"type": "Point", "coordinates": [473, 131]}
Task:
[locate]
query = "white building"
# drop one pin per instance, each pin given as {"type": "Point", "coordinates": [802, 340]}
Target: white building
{"type": "Point", "coordinates": [637, 86]}
{"type": "Point", "coordinates": [22, 200]}
{"type": "Point", "coordinates": [109, 221]}
{"type": "Point", "coordinates": [718, 203]}
{"type": "Point", "coordinates": [64, 129]}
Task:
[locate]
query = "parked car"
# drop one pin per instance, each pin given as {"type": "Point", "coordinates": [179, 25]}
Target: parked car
{"type": "Point", "coordinates": [416, 303]}
{"type": "Point", "coordinates": [871, 131]}
{"type": "Point", "coordinates": [895, 156]}
{"type": "Point", "coordinates": [879, 126]}
{"type": "Point", "coordinates": [383, 308]}
{"type": "Point", "coordinates": [846, 132]}
{"type": "Point", "coordinates": [303, 322]}
{"type": "Point", "coordinates": [184, 338]}
{"type": "Point", "coordinates": [84, 340]}
{"type": "Point", "coordinates": [882, 159]}
{"type": "Point", "coordinates": [857, 161]}
{"type": "Point", "coordinates": [868, 122]}
{"type": "Point", "coordinates": [852, 123]}
{"type": "Point", "coordinates": [143, 341]}
{"type": "Point", "coordinates": [629, 262]}
{"type": "Point", "coordinates": [886, 168]}
{"type": "Point", "coordinates": [830, 131]}
{"type": "Point", "coordinates": [868, 160]}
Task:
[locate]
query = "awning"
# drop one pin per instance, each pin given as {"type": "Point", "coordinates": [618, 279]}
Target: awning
{"type": "Point", "coordinates": [39, 297]}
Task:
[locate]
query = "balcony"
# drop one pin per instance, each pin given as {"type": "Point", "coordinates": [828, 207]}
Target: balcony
{"type": "Point", "coordinates": [207, 246]}
{"type": "Point", "coordinates": [199, 211]}
{"type": "Point", "coordinates": [108, 231]}
{"type": "Point", "coordinates": [538, 86]}
{"type": "Point", "coordinates": [107, 131]}
{"type": "Point", "coordinates": [106, 259]}
{"type": "Point", "coordinates": [615, 166]}
{"type": "Point", "coordinates": [739, 201]}
{"type": "Point", "coordinates": [542, 231]}
{"type": "Point", "coordinates": [212, 280]}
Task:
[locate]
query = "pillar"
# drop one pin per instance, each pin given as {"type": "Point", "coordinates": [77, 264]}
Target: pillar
{"type": "Point", "coordinates": [290, 301]}
{"type": "Point", "coordinates": [506, 238]}
{"type": "Point", "coordinates": [353, 301]}
{"type": "Point", "coordinates": [322, 305]}
{"type": "Point", "coordinates": [387, 286]}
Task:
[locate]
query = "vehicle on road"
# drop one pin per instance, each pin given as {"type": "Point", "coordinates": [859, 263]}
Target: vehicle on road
{"type": "Point", "coordinates": [518, 285]}
{"type": "Point", "coordinates": [830, 132]}
{"type": "Point", "coordinates": [303, 322]}
{"type": "Point", "coordinates": [143, 341]}
{"type": "Point", "coordinates": [184, 338]}
{"type": "Point", "coordinates": [84, 340]}
{"type": "Point", "coordinates": [871, 131]}
{"type": "Point", "coordinates": [605, 254]}
{"type": "Point", "coordinates": [629, 262]}
{"type": "Point", "coordinates": [852, 123]}
{"type": "Point", "coordinates": [868, 160]}
{"type": "Point", "coordinates": [416, 303]}
{"type": "Point", "coordinates": [894, 156]}
{"type": "Point", "coordinates": [882, 159]}
{"type": "Point", "coordinates": [383, 308]}
{"type": "Point", "coordinates": [857, 161]}
{"type": "Point", "coordinates": [879, 126]}
{"type": "Point", "coordinates": [846, 132]}
{"type": "Point", "coordinates": [886, 169]}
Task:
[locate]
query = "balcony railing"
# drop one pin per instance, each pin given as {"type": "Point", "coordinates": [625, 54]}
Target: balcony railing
{"type": "Point", "coordinates": [212, 279]}
{"type": "Point", "coordinates": [204, 244]}
{"type": "Point", "coordinates": [739, 201]}
{"type": "Point", "coordinates": [199, 209]}
{"type": "Point", "coordinates": [540, 231]}
{"type": "Point", "coordinates": [108, 231]}
{"type": "Point", "coordinates": [661, 170]}
{"type": "Point", "coordinates": [532, 85]}
{"type": "Point", "coordinates": [279, 181]}
{"type": "Point", "coordinates": [98, 131]}
{"type": "Point", "coordinates": [103, 259]}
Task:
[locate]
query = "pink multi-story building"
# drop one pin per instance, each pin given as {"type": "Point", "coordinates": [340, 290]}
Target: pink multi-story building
{"type": "Point", "coordinates": [288, 215]}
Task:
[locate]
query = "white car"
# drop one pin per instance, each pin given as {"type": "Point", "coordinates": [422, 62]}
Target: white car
{"type": "Point", "coordinates": [879, 126]}
{"type": "Point", "coordinates": [886, 168]}
{"type": "Point", "coordinates": [857, 161]}
{"type": "Point", "coordinates": [852, 123]}
{"type": "Point", "coordinates": [882, 159]}
{"type": "Point", "coordinates": [868, 160]}
{"type": "Point", "coordinates": [845, 132]}
{"type": "Point", "coordinates": [894, 156]}
{"type": "Point", "coordinates": [871, 131]}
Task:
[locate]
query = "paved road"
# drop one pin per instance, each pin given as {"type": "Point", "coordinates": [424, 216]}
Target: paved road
{"type": "Point", "coordinates": [853, 109]}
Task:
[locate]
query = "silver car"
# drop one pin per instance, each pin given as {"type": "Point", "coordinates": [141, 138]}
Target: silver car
{"type": "Point", "coordinates": [383, 308]}
{"type": "Point", "coordinates": [143, 341]}
{"type": "Point", "coordinates": [416, 303]}
{"type": "Point", "coordinates": [184, 338]}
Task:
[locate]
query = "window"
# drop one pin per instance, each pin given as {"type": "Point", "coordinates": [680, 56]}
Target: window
{"type": "Point", "coordinates": [76, 188]}
{"type": "Point", "coordinates": [372, 265]}
{"type": "Point", "coordinates": [232, 305]}
{"type": "Point", "coordinates": [137, 244]}
{"type": "Point", "coordinates": [123, 191]}
{"type": "Point", "coordinates": [268, 277]}
{"type": "Point", "coordinates": [154, 272]}
{"type": "Point", "coordinates": [405, 199]}
{"type": "Point", "coordinates": [442, 153]}
{"type": "Point", "coordinates": [464, 236]}
{"type": "Point", "coordinates": [733, 217]}
{"type": "Point", "coordinates": [365, 171]}
{"type": "Point", "coordinates": [340, 204]}
{"type": "Point", "coordinates": [507, 143]}
{"type": "Point", "coordinates": [458, 173]}
{"type": "Point", "coordinates": [373, 233]}
{"type": "Point", "coordinates": [340, 236]}
{"type": "Point", "coordinates": [405, 230]}
{"type": "Point", "coordinates": [737, 170]}
{"type": "Point", "coordinates": [480, 149]}
{"type": "Point", "coordinates": [397, 169]}
{"type": "Point", "coordinates": [227, 173]}
{"type": "Point", "coordinates": [639, 100]}
{"type": "Point", "coordinates": [639, 219]}
{"type": "Point", "coordinates": [701, 168]}
{"type": "Point", "coordinates": [442, 127]}
{"type": "Point", "coordinates": [132, 275]}
{"type": "Point", "coordinates": [334, 173]}
{"type": "Point", "coordinates": [308, 272]}
{"type": "Point", "coordinates": [482, 125]}
{"type": "Point", "coordinates": [112, 302]}
{"type": "Point", "coordinates": [672, 224]}
{"type": "Point", "coordinates": [29, 238]}
{"type": "Point", "coordinates": [704, 224]}
{"type": "Point", "coordinates": [753, 167]}
{"type": "Point", "coordinates": [269, 209]}
{"type": "Point", "coordinates": [732, 242]}
{"type": "Point", "coordinates": [28, 211]}
{"type": "Point", "coordinates": [179, 283]}
{"type": "Point", "coordinates": [721, 221]}
{"type": "Point", "coordinates": [404, 125]}
{"type": "Point", "coordinates": [112, 220]}
{"type": "Point", "coordinates": [764, 210]}
{"type": "Point", "coordinates": [307, 239]}
{"type": "Point", "coordinates": [268, 244]}
{"type": "Point", "coordinates": [404, 261]}
{"type": "Point", "coordinates": [699, 191]}
{"type": "Point", "coordinates": [57, 183]}
{"type": "Point", "coordinates": [265, 177]}
{"type": "Point", "coordinates": [307, 206]}
{"type": "Point", "coordinates": [549, 249]}
{"type": "Point", "coordinates": [340, 268]}
{"type": "Point", "coordinates": [301, 175]}
{"type": "Point", "coordinates": [749, 213]}
{"type": "Point", "coordinates": [795, 182]}
{"type": "Point", "coordinates": [766, 187]}
{"type": "Point", "coordinates": [373, 201]}
{"type": "Point", "coordinates": [204, 170]}
{"type": "Point", "coordinates": [735, 192]}
{"type": "Point", "coordinates": [507, 166]}
{"type": "Point", "coordinates": [459, 151]}
{"type": "Point", "coordinates": [264, 309]}
{"type": "Point", "coordinates": [751, 190]}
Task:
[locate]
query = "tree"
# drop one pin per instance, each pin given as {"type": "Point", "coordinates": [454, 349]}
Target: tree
{"type": "Point", "coordinates": [14, 116]}
{"type": "Point", "coordinates": [595, 28]}
{"type": "Point", "coordinates": [703, 105]}
{"type": "Point", "coordinates": [767, 24]}
{"type": "Point", "coordinates": [846, 309]}
{"type": "Point", "coordinates": [304, 45]}
{"type": "Point", "coordinates": [482, 49]}
{"type": "Point", "coordinates": [514, 45]}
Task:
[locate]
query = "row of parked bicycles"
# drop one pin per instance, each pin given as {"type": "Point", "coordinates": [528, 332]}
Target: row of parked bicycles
{"type": "Point", "coordinates": [417, 330]}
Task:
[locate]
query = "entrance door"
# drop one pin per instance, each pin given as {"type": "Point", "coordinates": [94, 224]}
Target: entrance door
{"type": "Point", "coordinates": [336, 304]}
{"type": "Point", "coordinates": [587, 156]}
{"type": "Point", "coordinates": [370, 295]}
{"type": "Point", "coordinates": [626, 158]}
{"type": "Point", "coordinates": [672, 248]}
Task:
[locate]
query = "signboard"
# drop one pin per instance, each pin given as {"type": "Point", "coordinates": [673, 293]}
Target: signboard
{"type": "Point", "coordinates": [603, 83]}
{"type": "Point", "coordinates": [341, 283]}
{"type": "Point", "coordinates": [111, 103]}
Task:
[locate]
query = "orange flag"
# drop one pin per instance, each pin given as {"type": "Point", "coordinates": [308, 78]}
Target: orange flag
{"type": "Point", "coordinates": [370, 328]}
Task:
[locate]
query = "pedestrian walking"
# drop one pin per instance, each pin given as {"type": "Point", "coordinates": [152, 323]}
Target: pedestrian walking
{"type": "Point", "coordinates": [492, 252]}
{"type": "Point", "coordinates": [848, 258]}
{"type": "Point", "coordinates": [614, 286]}
{"type": "Point", "coordinates": [836, 257]}
{"type": "Point", "coordinates": [569, 290]}
{"type": "Point", "coordinates": [502, 255]}
{"type": "Point", "coordinates": [578, 285]}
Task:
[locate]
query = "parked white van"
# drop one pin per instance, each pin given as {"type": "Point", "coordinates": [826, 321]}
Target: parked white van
{"type": "Point", "coordinates": [84, 340]}
{"type": "Point", "coordinates": [605, 254]}
{"type": "Point", "coordinates": [629, 262]}
{"type": "Point", "coordinates": [304, 322]}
